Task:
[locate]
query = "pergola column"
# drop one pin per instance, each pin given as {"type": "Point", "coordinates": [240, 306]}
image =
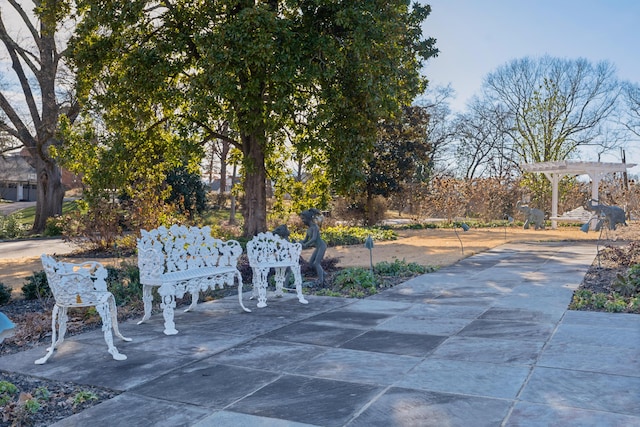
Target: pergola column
{"type": "Point", "coordinates": [554, 178]}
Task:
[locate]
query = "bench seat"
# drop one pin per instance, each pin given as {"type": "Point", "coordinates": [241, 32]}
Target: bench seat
{"type": "Point", "coordinates": [179, 260]}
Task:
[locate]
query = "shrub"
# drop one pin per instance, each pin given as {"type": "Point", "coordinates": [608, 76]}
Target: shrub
{"type": "Point", "coordinates": [615, 305]}
{"type": "Point", "coordinates": [401, 268]}
{"type": "Point", "coordinates": [343, 235]}
{"type": "Point", "coordinates": [83, 396]}
{"type": "Point", "coordinates": [581, 299]}
{"type": "Point", "coordinates": [599, 300]}
{"type": "Point", "coordinates": [37, 287]}
{"type": "Point", "coordinates": [54, 226]}
{"type": "Point", "coordinates": [628, 284]}
{"type": "Point", "coordinates": [7, 390]}
{"type": "Point", "coordinates": [5, 293]}
{"type": "Point", "coordinates": [10, 226]}
{"type": "Point", "coordinates": [355, 277]}
{"type": "Point", "coordinates": [124, 284]}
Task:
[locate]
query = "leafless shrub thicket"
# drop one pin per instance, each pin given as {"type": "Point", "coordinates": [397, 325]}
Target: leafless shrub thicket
{"type": "Point", "coordinates": [491, 199]}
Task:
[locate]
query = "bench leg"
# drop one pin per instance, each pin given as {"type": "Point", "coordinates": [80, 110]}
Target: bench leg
{"type": "Point", "coordinates": [114, 319]}
{"type": "Point", "coordinates": [195, 296]}
{"type": "Point", "coordinates": [297, 277]}
{"type": "Point", "coordinates": [107, 324]}
{"type": "Point", "coordinates": [168, 305]}
{"type": "Point", "coordinates": [239, 277]}
{"type": "Point", "coordinates": [260, 283]}
{"type": "Point", "coordinates": [147, 299]}
{"type": "Point", "coordinates": [58, 318]}
{"type": "Point", "coordinates": [279, 276]}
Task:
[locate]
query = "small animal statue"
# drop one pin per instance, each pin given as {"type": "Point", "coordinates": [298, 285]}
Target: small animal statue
{"type": "Point", "coordinates": [283, 231]}
{"type": "Point", "coordinates": [532, 216]}
{"type": "Point", "coordinates": [613, 215]}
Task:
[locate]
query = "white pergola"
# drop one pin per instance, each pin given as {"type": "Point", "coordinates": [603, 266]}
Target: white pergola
{"type": "Point", "coordinates": [554, 171]}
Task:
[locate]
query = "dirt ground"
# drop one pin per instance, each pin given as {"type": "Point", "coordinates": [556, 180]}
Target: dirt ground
{"type": "Point", "coordinates": [437, 247]}
{"type": "Point", "coordinates": [442, 247]}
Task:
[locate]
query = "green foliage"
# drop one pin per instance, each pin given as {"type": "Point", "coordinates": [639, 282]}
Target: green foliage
{"type": "Point", "coordinates": [355, 282]}
{"type": "Point", "coordinates": [187, 190]}
{"type": "Point", "coordinates": [584, 299]}
{"type": "Point", "coordinates": [328, 293]}
{"type": "Point", "coordinates": [5, 293]}
{"type": "Point", "coordinates": [7, 390]}
{"type": "Point", "coordinates": [581, 299]}
{"type": "Point", "coordinates": [83, 396]}
{"type": "Point", "coordinates": [42, 393]}
{"type": "Point", "coordinates": [326, 73]}
{"type": "Point", "coordinates": [11, 226]}
{"type": "Point", "coordinates": [400, 152]}
{"type": "Point", "coordinates": [342, 235]}
{"type": "Point", "coordinates": [400, 268]}
{"type": "Point", "coordinates": [32, 405]}
{"type": "Point", "coordinates": [36, 286]}
{"type": "Point", "coordinates": [616, 304]}
{"type": "Point", "coordinates": [628, 285]}
{"type": "Point", "coordinates": [54, 226]}
{"type": "Point", "coordinates": [295, 193]}
{"type": "Point", "coordinates": [124, 284]}
{"type": "Point", "coordinates": [599, 300]}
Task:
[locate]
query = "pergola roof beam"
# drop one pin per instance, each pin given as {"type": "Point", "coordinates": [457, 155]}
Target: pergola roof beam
{"type": "Point", "coordinates": [554, 171]}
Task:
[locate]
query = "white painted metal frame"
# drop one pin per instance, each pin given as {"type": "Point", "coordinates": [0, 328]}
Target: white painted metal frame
{"type": "Point", "coordinates": [267, 251]}
{"type": "Point", "coordinates": [181, 260]}
{"type": "Point", "coordinates": [554, 171]}
{"type": "Point", "coordinates": [80, 285]}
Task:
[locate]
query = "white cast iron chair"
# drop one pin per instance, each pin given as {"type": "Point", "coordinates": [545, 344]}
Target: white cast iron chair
{"type": "Point", "coordinates": [80, 285]}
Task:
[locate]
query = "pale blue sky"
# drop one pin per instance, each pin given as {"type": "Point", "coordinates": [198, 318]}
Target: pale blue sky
{"type": "Point", "coordinates": [475, 37]}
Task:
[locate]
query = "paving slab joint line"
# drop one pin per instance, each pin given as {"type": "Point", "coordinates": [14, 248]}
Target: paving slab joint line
{"type": "Point", "coordinates": [368, 404]}
{"type": "Point", "coordinates": [517, 399]}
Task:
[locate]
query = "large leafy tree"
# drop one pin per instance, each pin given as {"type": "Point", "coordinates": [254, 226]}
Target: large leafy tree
{"type": "Point", "coordinates": [332, 68]}
{"type": "Point", "coordinates": [32, 39]}
{"type": "Point", "coordinates": [400, 157]}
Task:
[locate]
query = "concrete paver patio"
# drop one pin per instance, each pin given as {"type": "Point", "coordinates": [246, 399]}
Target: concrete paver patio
{"type": "Point", "coordinates": [486, 342]}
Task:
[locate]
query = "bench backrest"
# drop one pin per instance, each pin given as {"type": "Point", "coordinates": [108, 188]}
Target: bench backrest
{"type": "Point", "coordinates": [180, 248]}
{"type": "Point", "coordinates": [74, 283]}
{"type": "Point", "coordinates": [270, 249]}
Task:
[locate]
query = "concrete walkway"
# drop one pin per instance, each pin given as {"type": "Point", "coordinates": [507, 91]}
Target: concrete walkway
{"type": "Point", "coordinates": [487, 342]}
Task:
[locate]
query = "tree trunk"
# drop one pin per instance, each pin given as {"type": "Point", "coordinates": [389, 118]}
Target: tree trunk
{"type": "Point", "coordinates": [225, 146]}
{"type": "Point", "coordinates": [50, 193]}
{"type": "Point", "coordinates": [232, 212]}
{"type": "Point", "coordinates": [369, 210]}
{"type": "Point", "coordinates": [255, 195]}
{"type": "Point", "coordinates": [224, 153]}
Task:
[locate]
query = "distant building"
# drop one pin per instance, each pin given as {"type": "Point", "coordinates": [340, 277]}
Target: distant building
{"type": "Point", "coordinates": [18, 179]}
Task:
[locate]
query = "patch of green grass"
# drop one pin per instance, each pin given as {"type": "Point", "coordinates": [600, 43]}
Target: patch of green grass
{"type": "Point", "coordinates": [28, 215]}
{"type": "Point", "coordinates": [219, 216]}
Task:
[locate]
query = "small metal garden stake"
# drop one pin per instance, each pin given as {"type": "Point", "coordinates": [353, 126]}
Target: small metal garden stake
{"type": "Point", "coordinates": [368, 243]}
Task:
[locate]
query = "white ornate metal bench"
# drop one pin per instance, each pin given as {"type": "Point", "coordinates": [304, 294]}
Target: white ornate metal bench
{"type": "Point", "coordinates": [184, 259]}
{"type": "Point", "coordinates": [266, 251]}
{"type": "Point", "coordinates": [80, 285]}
